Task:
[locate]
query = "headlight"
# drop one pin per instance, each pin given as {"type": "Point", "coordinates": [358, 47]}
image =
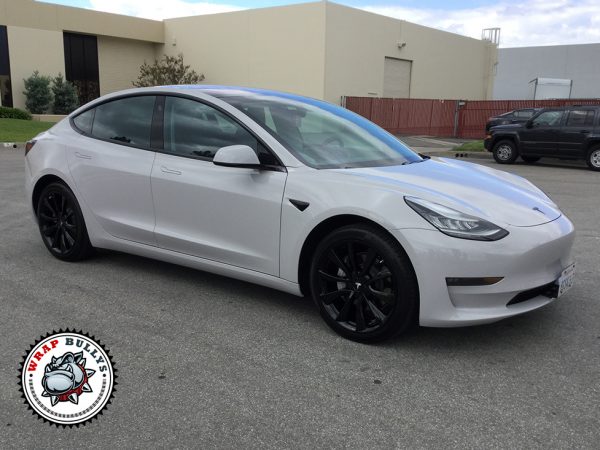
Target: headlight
{"type": "Point", "coordinates": [455, 223]}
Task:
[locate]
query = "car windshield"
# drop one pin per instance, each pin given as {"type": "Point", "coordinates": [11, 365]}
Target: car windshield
{"type": "Point", "coordinates": [319, 134]}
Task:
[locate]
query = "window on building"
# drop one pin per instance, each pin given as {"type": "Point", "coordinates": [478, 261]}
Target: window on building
{"type": "Point", "coordinates": [5, 86]}
{"type": "Point", "coordinates": [81, 65]}
{"type": "Point", "coordinates": [127, 120]}
{"type": "Point", "coordinates": [580, 118]}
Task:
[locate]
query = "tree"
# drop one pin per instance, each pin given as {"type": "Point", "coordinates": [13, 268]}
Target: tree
{"type": "Point", "coordinates": [38, 94]}
{"type": "Point", "coordinates": [65, 95]}
{"type": "Point", "coordinates": [166, 71]}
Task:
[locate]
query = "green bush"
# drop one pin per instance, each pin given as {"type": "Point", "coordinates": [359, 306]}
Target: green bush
{"type": "Point", "coordinates": [38, 93]}
{"type": "Point", "coordinates": [65, 96]}
{"type": "Point", "coordinates": [14, 113]}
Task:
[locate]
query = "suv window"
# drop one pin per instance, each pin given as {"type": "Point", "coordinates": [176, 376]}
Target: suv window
{"type": "Point", "coordinates": [548, 119]}
{"type": "Point", "coordinates": [194, 129]}
{"type": "Point", "coordinates": [524, 114]}
{"type": "Point", "coordinates": [126, 120]}
{"type": "Point", "coordinates": [580, 118]}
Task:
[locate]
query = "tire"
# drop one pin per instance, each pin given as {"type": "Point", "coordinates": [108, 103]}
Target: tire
{"type": "Point", "coordinates": [593, 158]}
{"type": "Point", "coordinates": [530, 159]}
{"type": "Point", "coordinates": [505, 152]}
{"type": "Point", "coordinates": [61, 224]}
{"type": "Point", "coordinates": [380, 298]}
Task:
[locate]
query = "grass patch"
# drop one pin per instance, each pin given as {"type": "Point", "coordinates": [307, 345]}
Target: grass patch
{"type": "Point", "coordinates": [473, 146]}
{"type": "Point", "coordinates": [16, 130]}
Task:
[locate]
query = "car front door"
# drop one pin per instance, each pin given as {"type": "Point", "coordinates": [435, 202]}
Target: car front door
{"type": "Point", "coordinates": [226, 214]}
{"type": "Point", "coordinates": [110, 160]}
{"type": "Point", "coordinates": [540, 135]}
{"type": "Point", "coordinates": [573, 135]}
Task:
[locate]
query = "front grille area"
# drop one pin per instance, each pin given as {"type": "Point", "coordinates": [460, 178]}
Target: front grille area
{"type": "Point", "coordinates": [549, 290]}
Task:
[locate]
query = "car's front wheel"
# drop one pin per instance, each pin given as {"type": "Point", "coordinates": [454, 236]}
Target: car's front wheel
{"type": "Point", "coordinates": [61, 223]}
{"type": "Point", "coordinates": [364, 284]}
{"type": "Point", "coordinates": [505, 152]}
{"type": "Point", "coordinates": [593, 159]}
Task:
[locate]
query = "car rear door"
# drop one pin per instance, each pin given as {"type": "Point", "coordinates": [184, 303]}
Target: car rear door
{"type": "Point", "coordinates": [572, 137]}
{"type": "Point", "coordinates": [111, 160]}
{"type": "Point", "coordinates": [540, 135]}
{"type": "Point", "coordinates": [229, 215]}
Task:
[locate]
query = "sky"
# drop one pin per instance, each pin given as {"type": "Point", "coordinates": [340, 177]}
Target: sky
{"type": "Point", "coordinates": [522, 23]}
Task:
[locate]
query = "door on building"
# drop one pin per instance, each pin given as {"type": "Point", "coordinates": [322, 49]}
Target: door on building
{"type": "Point", "coordinates": [5, 87]}
{"type": "Point", "coordinates": [81, 65]}
{"type": "Point", "coordinates": [396, 77]}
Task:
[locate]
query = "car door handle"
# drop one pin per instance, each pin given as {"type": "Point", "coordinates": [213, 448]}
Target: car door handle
{"type": "Point", "coordinates": [167, 170]}
{"type": "Point", "coordinates": [82, 156]}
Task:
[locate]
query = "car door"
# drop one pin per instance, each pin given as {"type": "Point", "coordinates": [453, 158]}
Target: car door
{"type": "Point", "coordinates": [111, 161]}
{"type": "Point", "coordinates": [540, 135]}
{"type": "Point", "coordinates": [572, 136]}
{"type": "Point", "coordinates": [225, 214]}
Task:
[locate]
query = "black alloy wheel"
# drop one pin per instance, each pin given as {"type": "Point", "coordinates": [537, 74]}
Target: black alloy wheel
{"type": "Point", "coordinates": [364, 284]}
{"type": "Point", "coordinates": [61, 223]}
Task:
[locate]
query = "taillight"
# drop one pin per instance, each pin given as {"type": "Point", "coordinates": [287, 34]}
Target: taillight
{"type": "Point", "coordinates": [28, 146]}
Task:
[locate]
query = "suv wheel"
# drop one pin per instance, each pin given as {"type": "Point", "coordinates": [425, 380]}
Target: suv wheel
{"type": "Point", "coordinates": [593, 159]}
{"type": "Point", "coordinates": [505, 152]}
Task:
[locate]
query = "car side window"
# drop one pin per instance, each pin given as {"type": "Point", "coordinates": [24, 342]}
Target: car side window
{"type": "Point", "coordinates": [580, 118]}
{"type": "Point", "coordinates": [524, 114]}
{"type": "Point", "coordinates": [548, 119]}
{"type": "Point", "coordinates": [83, 122]}
{"type": "Point", "coordinates": [194, 129]}
{"type": "Point", "coordinates": [126, 120]}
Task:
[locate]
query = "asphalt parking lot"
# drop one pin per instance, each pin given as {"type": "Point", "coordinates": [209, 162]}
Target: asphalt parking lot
{"type": "Point", "coordinates": [204, 361]}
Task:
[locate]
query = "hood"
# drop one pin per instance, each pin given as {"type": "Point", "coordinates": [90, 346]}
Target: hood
{"type": "Point", "coordinates": [494, 195]}
{"type": "Point", "coordinates": [508, 126]}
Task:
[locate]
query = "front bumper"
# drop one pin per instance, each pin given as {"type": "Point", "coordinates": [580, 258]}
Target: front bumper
{"type": "Point", "coordinates": [529, 258]}
{"type": "Point", "coordinates": [487, 143]}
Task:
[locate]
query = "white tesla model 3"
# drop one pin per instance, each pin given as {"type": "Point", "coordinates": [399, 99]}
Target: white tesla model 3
{"type": "Point", "coordinates": [302, 196]}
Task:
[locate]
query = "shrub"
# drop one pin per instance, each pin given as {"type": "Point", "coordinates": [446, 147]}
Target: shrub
{"type": "Point", "coordinates": [14, 113]}
{"type": "Point", "coordinates": [38, 93]}
{"type": "Point", "coordinates": [65, 96]}
{"type": "Point", "coordinates": [169, 70]}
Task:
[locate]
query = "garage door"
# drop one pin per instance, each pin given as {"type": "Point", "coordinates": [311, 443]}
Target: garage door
{"type": "Point", "coordinates": [396, 78]}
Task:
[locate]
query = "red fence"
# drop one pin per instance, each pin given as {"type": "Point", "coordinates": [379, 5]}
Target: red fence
{"type": "Point", "coordinates": [444, 118]}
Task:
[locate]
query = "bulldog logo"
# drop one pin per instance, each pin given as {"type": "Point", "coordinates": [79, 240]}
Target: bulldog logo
{"type": "Point", "coordinates": [67, 378]}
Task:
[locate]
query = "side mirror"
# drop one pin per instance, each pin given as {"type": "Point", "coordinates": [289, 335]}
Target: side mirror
{"type": "Point", "coordinates": [529, 124]}
{"type": "Point", "coordinates": [237, 156]}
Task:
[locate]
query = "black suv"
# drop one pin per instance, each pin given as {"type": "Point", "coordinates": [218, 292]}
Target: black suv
{"type": "Point", "coordinates": [571, 132]}
{"type": "Point", "coordinates": [516, 116]}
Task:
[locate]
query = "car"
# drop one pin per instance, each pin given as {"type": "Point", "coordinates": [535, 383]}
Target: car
{"type": "Point", "coordinates": [570, 133]}
{"type": "Point", "coordinates": [302, 196]}
{"type": "Point", "coordinates": [515, 116]}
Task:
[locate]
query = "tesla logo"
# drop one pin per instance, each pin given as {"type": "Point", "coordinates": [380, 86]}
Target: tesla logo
{"type": "Point", "coordinates": [535, 208]}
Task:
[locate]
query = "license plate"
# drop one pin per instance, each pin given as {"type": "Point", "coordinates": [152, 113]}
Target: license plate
{"type": "Point", "coordinates": [565, 282]}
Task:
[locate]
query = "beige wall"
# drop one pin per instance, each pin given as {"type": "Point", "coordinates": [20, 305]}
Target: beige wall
{"type": "Point", "coordinates": [119, 61]}
{"type": "Point", "coordinates": [445, 65]}
{"type": "Point", "coordinates": [46, 56]}
{"type": "Point", "coordinates": [46, 16]}
{"type": "Point", "coordinates": [278, 48]}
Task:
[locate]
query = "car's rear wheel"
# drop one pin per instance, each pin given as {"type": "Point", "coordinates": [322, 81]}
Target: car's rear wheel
{"type": "Point", "coordinates": [61, 223]}
{"type": "Point", "coordinates": [505, 152]}
{"type": "Point", "coordinates": [530, 159]}
{"type": "Point", "coordinates": [364, 284]}
{"type": "Point", "coordinates": [593, 159]}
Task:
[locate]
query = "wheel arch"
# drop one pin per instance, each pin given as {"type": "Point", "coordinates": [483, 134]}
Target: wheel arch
{"type": "Point", "coordinates": [41, 184]}
{"type": "Point", "coordinates": [321, 230]}
{"type": "Point", "coordinates": [506, 137]}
